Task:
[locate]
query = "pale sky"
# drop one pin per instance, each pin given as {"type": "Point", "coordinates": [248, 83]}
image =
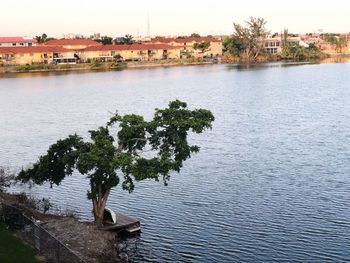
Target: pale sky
{"type": "Point", "coordinates": [180, 17]}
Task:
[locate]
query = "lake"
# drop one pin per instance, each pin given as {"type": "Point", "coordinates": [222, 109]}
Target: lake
{"type": "Point", "coordinates": [270, 184]}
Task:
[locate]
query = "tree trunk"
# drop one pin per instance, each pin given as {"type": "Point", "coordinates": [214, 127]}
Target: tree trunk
{"type": "Point", "coordinates": [99, 204]}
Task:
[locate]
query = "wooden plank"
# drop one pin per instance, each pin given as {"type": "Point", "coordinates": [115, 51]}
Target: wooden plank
{"type": "Point", "coordinates": [123, 223]}
{"type": "Point", "coordinates": [123, 219]}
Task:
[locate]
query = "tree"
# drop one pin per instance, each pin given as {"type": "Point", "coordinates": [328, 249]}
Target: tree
{"type": "Point", "coordinates": [195, 35]}
{"type": "Point", "coordinates": [139, 150]}
{"type": "Point", "coordinates": [248, 40]}
{"type": "Point", "coordinates": [42, 38]}
{"type": "Point", "coordinates": [285, 37]}
{"type": "Point", "coordinates": [202, 46]}
{"type": "Point", "coordinates": [340, 43]}
{"type": "Point", "coordinates": [233, 45]}
{"type": "Point", "coordinates": [105, 40]}
{"type": "Point", "coordinates": [129, 40]}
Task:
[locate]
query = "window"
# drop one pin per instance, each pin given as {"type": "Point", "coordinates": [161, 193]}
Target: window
{"type": "Point", "coordinates": [30, 44]}
{"type": "Point", "coordinates": [273, 44]}
{"type": "Point", "coordinates": [277, 44]}
{"type": "Point", "coordinates": [14, 44]}
{"type": "Point", "coordinates": [266, 44]}
{"type": "Point", "coordinates": [21, 44]}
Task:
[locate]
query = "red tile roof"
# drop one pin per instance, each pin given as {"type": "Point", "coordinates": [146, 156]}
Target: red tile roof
{"type": "Point", "coordinates": [185, 40]}
{"type": "Point", "coordinates": [71, 42]}
{"type": "Point", "coordinates": [33, 49]}
{"type": "Point", "coordinates": [17, 40]}
{"type": "Point", "coordinates": [130, 47]}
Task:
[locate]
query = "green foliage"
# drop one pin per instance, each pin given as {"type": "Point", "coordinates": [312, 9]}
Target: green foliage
{"type": "Point", "coordinates": [57, 163]}
{"type": "Point", "coordinates": [233, 45]}
{"type": "Point", "coordinates": [29, 67]}
{"type": "Point", "coordinates": [293, 51]}
{"type": "Point", "coordinates": [6, 179]}
{"type": "Point", "coordinates": [107, 160]}
{"type": "Point", "coordinates": [94, 64]}
{"type": "Point", "coordinates": [105, 40]}
{"type": "Point", "coordinates": [195, 35]}
{"type": "Point", "coordinates": [129, 39]}
{"type": "Point", "coordinates": [247, 41]}
{"type": "Point", "coordinates": [43, 38]}
{"type": "Point", "coordinates": [202, 46]}
{"type": "Point", "coordinates": [118, 58]}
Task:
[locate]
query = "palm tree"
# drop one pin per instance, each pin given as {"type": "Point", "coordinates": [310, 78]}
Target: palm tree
{"type": "Point", "coordinates": [128, 40]}
{"type": "Point", "coordinates": [42, 38]}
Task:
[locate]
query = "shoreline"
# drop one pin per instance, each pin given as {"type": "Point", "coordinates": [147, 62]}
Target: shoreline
{"type": "Point", "coordinates": [111, 66]}
{"type": "Point", "coordinates": [106, 66]}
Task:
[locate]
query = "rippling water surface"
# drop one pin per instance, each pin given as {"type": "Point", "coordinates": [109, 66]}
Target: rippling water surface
{"type": "Point", "coordinates": [272, 180]}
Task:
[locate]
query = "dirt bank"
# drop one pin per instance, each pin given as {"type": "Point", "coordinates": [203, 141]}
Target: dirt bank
{"type": "Point", "coordinates": [84, 238]}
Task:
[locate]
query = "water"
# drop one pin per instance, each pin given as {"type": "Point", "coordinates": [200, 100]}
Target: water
{"type": "Point", "coordinates": [272, 180]}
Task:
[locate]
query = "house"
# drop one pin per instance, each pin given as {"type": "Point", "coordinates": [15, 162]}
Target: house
{"type": "Point", "coordinates": [17, 41]}
{"type": "Point", "coordinates": [273, 45]}
{"type": "Point", "coordinates": [134, 52]}
{"type": "Point", "coordinates": [187, 45]}
{"type": "Point", "coordinates": [72, 44]}
{"type": "Point", "coordinates": [35, 54]}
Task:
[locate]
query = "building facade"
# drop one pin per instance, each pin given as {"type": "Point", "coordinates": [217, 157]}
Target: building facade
{"type": "Point", "coordinates": [17, 42]}
{"type": "Point", "coordinates": [35, 55]}
{"type": "Point", "coordinates": [134, 52]}
{"type": "Point", "coordinates": [273, 45]}
{"type": "Point", "coordinates": [187, 46]}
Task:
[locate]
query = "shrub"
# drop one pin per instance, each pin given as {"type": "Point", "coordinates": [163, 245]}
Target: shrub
{"type": "Point", "coordinates": [6, 179]}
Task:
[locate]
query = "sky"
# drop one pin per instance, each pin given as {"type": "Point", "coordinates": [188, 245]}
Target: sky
{"type": "Point", "coordinates": [181, 17]}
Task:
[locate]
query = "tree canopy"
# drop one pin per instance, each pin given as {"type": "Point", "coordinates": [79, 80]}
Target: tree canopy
{"type": "Point", "coordinates": [247, 41]}
{"type": "Point", "coordinates": [138, 150]}
{"type": "Point", "coordinates": [43, 38]}
{"type": "Point", "coordinates": [195, 35]}
{"type": "Point", "coordinates": [129, 39]}
{"type": "Point", "coordinates": [105, 40]}
{"type": "Point", "coordinates": [203, 46]}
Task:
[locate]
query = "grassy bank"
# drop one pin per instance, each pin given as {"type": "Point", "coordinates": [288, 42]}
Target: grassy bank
{"type": "Point", "coordinates": [13, 249]}
{"type": "Point", "coordinates": [99, 66]}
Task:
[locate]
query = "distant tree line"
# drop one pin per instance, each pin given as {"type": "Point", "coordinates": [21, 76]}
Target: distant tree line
{"type": "Point", "coordinates": [247, 43]}
{"type": "Point", "coordinates": [338, 41]}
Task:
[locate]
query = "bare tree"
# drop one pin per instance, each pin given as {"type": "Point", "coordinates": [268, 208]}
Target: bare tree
{"type": "Point", "coordinates": [252, 36]}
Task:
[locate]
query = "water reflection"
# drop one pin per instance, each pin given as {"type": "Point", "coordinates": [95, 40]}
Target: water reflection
{"type": "Point", "coordinates": [271, 183]}
{"type": "Point", "coordinates": [238, 66]}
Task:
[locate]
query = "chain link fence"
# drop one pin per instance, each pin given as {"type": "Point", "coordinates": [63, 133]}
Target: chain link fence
{"type": "Point", "coordinates": [30, 231]}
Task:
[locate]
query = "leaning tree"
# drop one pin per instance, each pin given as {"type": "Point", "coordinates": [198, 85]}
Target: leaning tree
{"type": "Point", "coordinates": [126, 150]}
